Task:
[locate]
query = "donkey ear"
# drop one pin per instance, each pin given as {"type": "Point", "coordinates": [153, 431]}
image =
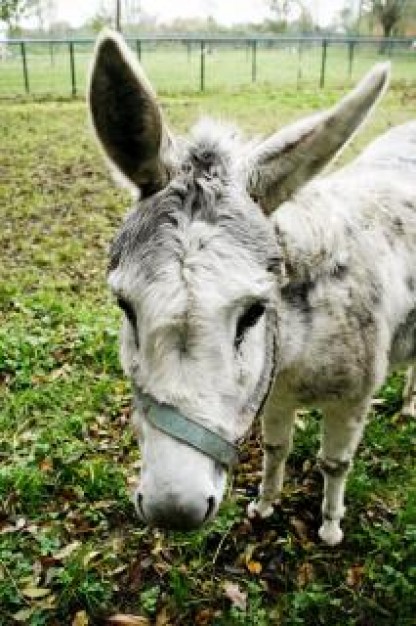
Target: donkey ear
{"type": "Point", "coordinates": [288, 159]}
{"type": "Point", "coordinates": [126, 115]}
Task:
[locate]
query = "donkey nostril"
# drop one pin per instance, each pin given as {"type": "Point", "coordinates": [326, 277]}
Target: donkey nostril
{"type": "Point", "coordinates": [210, 509]}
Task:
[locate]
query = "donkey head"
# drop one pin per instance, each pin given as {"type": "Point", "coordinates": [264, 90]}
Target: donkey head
{"type": "Point", "coordinates": [197, 270]}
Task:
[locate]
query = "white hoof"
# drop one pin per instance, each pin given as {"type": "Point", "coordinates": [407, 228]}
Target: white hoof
{"type": "Point", "coordinates": [257, 508]}
{"type": "Point", "coordinates": [331, 533]}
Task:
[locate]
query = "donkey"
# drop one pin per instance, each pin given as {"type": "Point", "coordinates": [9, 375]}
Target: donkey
{"type": "Point", "coordinates": [249, 289]}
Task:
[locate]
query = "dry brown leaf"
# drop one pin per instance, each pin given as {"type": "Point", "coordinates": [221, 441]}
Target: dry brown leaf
{"type": "Point", "coordinates": [204, 617]}
{"type": "Point", "coordinates": [355, 575]}
{"type": "Point", "coordinates": [305, 574]}
{"type": "Point", "coordinates": [158, 547]}
{"type": "Point", "coordinates": [254, 567]}
{"type": "Point", "coordinates": [122, 619]}
{"type": "Point", "coordinates": [24, 615]}
{"type": "Point", "coordinates": [46, 465]}
{"type": "Point", "coordinates": [90, 556]}
{"type": "Point", "coordinates": [60, 372]}
{"type": "Point", "coordinates": [66, 551]}
{"type": "Point", "coordinates": [162, 618]}
{"type": "Point", "coordinates": [233, 592]}
{"type": "Point", "coordinates": [80, 619]}
{"type": "Point", "coordinates": [35, 592]}
{"type": "Point", "coordinates": [300, 528]}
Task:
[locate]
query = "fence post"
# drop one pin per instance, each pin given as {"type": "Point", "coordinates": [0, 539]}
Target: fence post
{"type": "Point", "coordinates": [24, 66]}
{"type": "Point", "coordinates": [254, 61]}
{"type": "Point", "coordinates": [323, 63]}
{"type": "Point", "coordinates": [72, 66]}
{"type": "Point", "coordinates": [202, 68]}
{"type": "Point", "coordinates": [299, 76]}
{"type": "Point", "coordinates": [351, 47]}
{"type": "Point", "coordinates": [52, 53]}
{"type": "Point", "coordinates": [139, 49]}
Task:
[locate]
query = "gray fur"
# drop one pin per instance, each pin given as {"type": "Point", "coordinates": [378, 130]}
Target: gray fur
{"type": "Point", "coordinates": [333, 266]}
{"type": "Point", "coordinates": [149, 238]}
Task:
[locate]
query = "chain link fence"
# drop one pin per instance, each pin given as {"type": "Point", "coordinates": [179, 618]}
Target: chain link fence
{"type": "Point", "coordinates": [59, 67]}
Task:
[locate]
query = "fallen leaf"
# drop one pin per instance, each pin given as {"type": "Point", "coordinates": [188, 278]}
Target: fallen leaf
{"type": "Point", "coordinates": [46, 465]}
{"type": "Point", "coordinates": [300, 528]}
{"type": "Point", "coordinates": [355, 575]}
{"type": "Point", "coordinates": [158, 547]}
{"type": "Point", "coordinates": [233, 592]}
{"type": "Point", "coordinates": [128, 620]}
{"type": "Point", "coordinates": [80, 619]}
{"type": "Point", "coordinates": [162, 618]}
{"type": "Point", "coordinates": [254, 567]}
{"type": "Point", "coordinates": [66, 551]}
{"type": "Point", "coordinates": [60, 372]}
{"type": "Point", "coordinates": [90, 556]}
{"type": "Point", "coordinates": [35, 592]}
{"type": "Point", "coordinates": [305, 574]}
{"type": "Point", "coordinates": [378, 402]}
{"type": "Point", "coordinates": [24, 615]}
{"type": "Point", "coordinates": [300, 421]}
{"type": "Point", "coordinates": [204, 617]}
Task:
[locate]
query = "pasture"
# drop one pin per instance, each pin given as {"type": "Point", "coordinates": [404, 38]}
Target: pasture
{"type": "Point", "coordinates": [175, 66]}
{"type": "Point", "coordinates": [71, 549]}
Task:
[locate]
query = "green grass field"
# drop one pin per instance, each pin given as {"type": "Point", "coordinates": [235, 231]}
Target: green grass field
{"type": "Point", "coordinates": [71, 549]}
{"type": "Point", "coordinates": [176, 68]}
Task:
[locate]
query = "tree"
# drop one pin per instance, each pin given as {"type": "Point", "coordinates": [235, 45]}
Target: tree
{"type": "Point", "coordinates": [45, 11]}
{"type": "Point", "coordinates": [389, 13]}
{"type": "Point", "coordinates": [11, 11]}
{"type": "Point", "coordinates": [289, 10]}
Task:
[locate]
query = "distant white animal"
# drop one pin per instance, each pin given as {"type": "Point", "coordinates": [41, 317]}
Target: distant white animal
{"type": "Point", "coordinates": [247, 290]}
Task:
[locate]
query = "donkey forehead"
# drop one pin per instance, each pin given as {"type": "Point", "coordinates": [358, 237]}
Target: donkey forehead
{"type": "Point", "coordinates": [201, 237]}
{"type": "Point", "coordinates": [212, 265]}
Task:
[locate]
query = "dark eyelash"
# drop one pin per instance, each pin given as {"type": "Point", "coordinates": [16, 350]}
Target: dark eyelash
{"type": "Point", "coordinates": [249, 318]}
{"type": "Point", "coordinates": [128, 310]}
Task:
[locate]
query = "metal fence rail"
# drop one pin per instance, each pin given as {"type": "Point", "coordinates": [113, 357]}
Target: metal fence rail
{"type": "Point", "coordinates": [59, 67]}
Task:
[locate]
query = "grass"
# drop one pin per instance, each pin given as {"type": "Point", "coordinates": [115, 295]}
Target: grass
{"type": "Point", "coordinates": [168, 64]}
{"type": "Point", "coordinates": [71, 550]}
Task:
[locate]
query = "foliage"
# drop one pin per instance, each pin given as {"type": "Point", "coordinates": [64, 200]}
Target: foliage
{"type": "Point", "coordinates": [389, 13]}
{"type": "Point", "coordinates": [71, 550]}
{"type": "Point", "coordinates": [12, 10]}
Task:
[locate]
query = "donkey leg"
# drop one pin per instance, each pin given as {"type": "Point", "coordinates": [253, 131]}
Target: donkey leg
{"type": "Point", "coordinates": [341, 435]}
{"type": "Point", "coordinates": [277, 426]}
{"type": "Point", "coordinates": [409, 393]}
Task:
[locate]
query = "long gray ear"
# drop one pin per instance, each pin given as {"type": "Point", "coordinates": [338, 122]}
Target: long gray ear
{"type": "Point", "coordinates": [126, 115]}
{"type": "Point", "coordinates": [288, 159]}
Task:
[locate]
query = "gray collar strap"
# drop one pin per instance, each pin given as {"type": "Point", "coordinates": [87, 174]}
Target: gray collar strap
{"type": "Point", "coordinates": [166, 418]}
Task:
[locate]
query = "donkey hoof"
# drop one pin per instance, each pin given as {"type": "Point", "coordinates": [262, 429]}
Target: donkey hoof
{"type": "Point", "coordinates": [259, 509]}
{"type": "Point", "coordinates": [331, 533]}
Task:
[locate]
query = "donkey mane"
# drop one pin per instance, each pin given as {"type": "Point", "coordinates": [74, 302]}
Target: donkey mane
{"type": "Point", "coordinates": [206, 188]}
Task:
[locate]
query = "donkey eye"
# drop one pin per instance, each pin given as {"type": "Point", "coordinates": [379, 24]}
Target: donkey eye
{"type": "Point", "coordinates": [249, 318]}
{"type": "Point", "coordinates": [128, 310]}
{"type": "Point", "coordinates": [130, 314]}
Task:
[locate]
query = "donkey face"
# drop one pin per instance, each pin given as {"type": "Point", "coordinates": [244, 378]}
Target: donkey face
{"type": "Point", "coordinates": [197, 271]}
{"type": "Point", "coordinates": [194, 270]}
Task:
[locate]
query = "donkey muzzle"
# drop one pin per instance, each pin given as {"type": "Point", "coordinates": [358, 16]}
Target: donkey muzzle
{"type": "Point", "coordinates": [174, 511]}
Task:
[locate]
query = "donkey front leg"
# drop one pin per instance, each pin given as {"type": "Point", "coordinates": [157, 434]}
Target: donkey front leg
{"type": "Point", "coordinates": [342, 431]}
{"type": "Point", "coordinates": [409, 393]}
{"type": "Point", "coordinates": [277, 427]}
